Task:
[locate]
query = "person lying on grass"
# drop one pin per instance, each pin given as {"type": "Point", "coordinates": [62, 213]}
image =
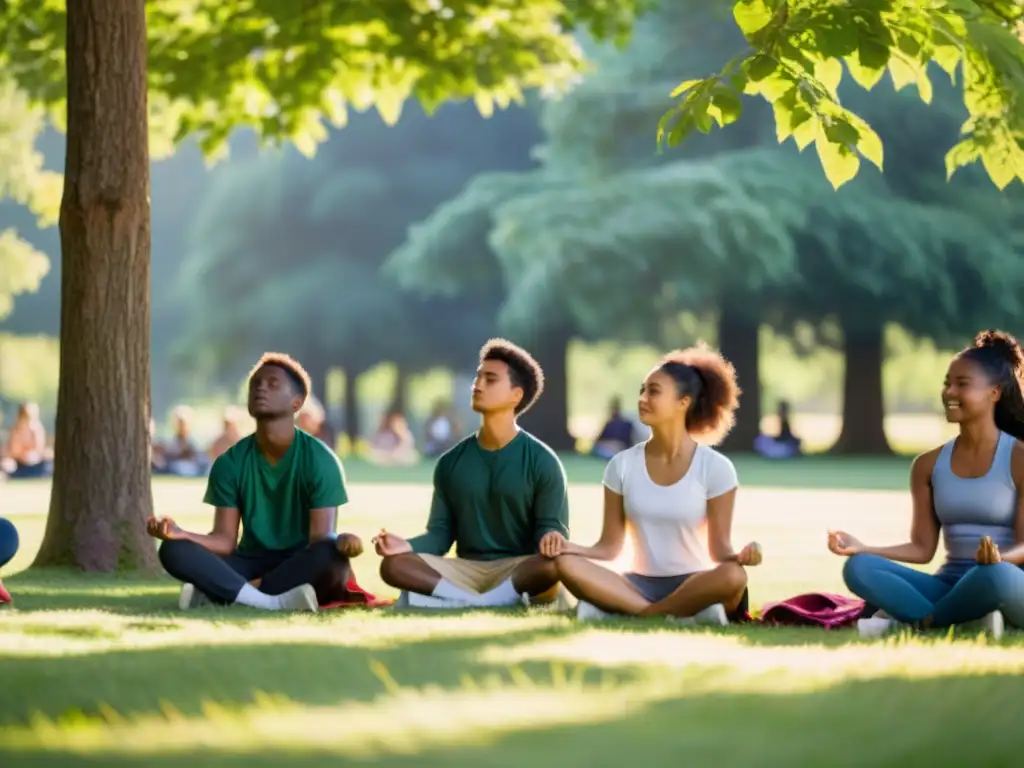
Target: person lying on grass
{"type": "Point", "coordinates": [969, 489]}
{"type": "Point", "coordinates": [496, 494]}
{"type": "Point", "coordinates": [283, 487]}
{"type": "Point", "coordinates": [675, 499]}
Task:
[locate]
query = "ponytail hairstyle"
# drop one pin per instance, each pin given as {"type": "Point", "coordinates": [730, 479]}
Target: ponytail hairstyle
{"type": "Point", "coordinates": [999, 355]}
{"type": "Point", "coordinates": [710, 381]}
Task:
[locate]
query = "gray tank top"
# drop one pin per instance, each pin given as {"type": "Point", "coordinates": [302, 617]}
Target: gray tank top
{"type": "Point", "coordinates": [969, 508]}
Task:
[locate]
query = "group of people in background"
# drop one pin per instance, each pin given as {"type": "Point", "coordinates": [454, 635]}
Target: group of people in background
{"type": "Point", "coordinates": [500, 499]}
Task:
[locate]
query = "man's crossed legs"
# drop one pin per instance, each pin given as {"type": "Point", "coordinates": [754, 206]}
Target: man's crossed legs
{"type": "Point", "coordinates": [460, 583]}
{"type": "Point", "coordinates": [295, 579]}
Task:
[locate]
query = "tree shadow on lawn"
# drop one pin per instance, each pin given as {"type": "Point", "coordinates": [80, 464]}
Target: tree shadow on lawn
{"type": "Point", "coordinates": [135, 681]}
{"type": "Point", "coordinates": [65, 589]}
{"type": "Point", "coordinates": [954, 720]}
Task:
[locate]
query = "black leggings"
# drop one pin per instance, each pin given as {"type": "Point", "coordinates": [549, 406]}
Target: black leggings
{"type": "Point", "coordinates": [222, 578]}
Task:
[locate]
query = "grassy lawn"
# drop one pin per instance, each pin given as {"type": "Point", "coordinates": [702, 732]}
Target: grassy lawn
{"type": "Point", "coordinates": [100, 669]}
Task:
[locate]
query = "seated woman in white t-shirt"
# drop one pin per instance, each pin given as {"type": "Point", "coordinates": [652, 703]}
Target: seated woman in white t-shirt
{"type": "Point", "coordinates": [675, 499]}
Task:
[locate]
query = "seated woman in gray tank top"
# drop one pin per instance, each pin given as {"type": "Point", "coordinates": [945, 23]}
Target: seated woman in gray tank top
{"type": "Point", "coordinates": [967, 489]}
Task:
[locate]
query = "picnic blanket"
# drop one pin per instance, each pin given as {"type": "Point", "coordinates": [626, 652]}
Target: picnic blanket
{"type": "Point", "coordinates": [821, 609]}
{"type": "Point", "coordinates": [356, 596]}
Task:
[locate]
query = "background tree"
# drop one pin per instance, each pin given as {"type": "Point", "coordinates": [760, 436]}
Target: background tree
{"type": "Point", "coordinates": [286, 67]}
{"type": "Point", "coordinates": [450, 255]}
{"type": "Point", "coordinates": [286, 251]}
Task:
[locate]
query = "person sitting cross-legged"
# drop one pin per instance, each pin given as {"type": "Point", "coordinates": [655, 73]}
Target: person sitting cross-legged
{"type": "Point", "coordinates": [283, 487]}
{"type": "Point", "coordinates": [8, 549]}
{"type": "Point", "coordinates": [675, 498]}
{"type": "Point", "coordinates": [496, 494]}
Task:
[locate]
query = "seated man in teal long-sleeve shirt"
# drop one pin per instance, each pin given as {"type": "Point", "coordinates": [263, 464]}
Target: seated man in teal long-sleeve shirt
{"type": "Point", "coordinates": [496, 494]}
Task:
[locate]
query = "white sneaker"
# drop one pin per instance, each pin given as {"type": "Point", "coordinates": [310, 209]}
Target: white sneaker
{"type": "Point", "coordinates": [713, 615]}
{"type": "Point", "coordinates": [874, 627]}
{"type": "Point", "coordinates": [416, 600]}
{"type": "Point", "coordinates": [993, 624]}
{"type": "Point", "coordinates": [300, 598]}
{"type": "Point", "coordinates": [564, 600]}
{"type": "Point", "coordinates": [589, 612]}
{"type": "Point", "coordinates": [191, 597]}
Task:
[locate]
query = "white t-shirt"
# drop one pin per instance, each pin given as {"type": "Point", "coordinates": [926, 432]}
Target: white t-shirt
{"type": "Point", "coordinates": [668, 523]}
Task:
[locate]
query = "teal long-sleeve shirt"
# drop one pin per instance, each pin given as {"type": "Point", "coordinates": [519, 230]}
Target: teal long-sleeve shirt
{"type": "Point", "coordinates": [495, 504]}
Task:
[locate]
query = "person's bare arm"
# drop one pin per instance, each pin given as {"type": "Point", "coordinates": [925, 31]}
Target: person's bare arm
{"type": "Point", "coordinates": [222, 540]}
{"type": "Point", "coordinates": [924, 528]}
{"type": "Point", "coordinates": [1015, 554]}
{"type": "Point", "coordinates": [719, 512]}
{"type": "Point", "coordinates": [613, 531]}
{"type": "Point", "coordinates": [321, 523]}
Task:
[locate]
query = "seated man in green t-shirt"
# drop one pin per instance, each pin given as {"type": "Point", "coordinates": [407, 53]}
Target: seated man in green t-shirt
{"type": "Point", "coordinates": [496, 494]}
{"type": "Point", "coordinates": [283, 487]}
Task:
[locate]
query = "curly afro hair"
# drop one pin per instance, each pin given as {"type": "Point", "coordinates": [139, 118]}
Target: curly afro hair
{"type": "Point", "coordinates": [523, 370]}
{"type": "Point", "coordinates": [710, 380]}
{"type": "Point", "coordinates": [293, 370]}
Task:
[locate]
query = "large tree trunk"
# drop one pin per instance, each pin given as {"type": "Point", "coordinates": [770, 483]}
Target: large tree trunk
{"type": "Point", "coordinates": [101, 485]}
{"type": "Point", "coordinates": [400, 396]}
{"type": "Point", "coordinates": [863, 431]}
{"type": "Point", "coordinates": [318, 370]}
{"type": "Point", "coordinates": [351, 414]}
{"type": "Point", "coordinates": [548, 420]}
{"type": "Point", "coordinates": [739, 342]}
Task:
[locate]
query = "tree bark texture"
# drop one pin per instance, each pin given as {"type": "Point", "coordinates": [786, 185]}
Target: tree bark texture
{"type": "Point", "coordinates": [351, 407]}
{"type": "Point", "coordinates": [863, 431]}
{"type": "Point", "coordinates": [739, 341]}
{"type": "Point", "coordinates": [548, 420]}
{"type": "Point", "coordinates": [101, 485]}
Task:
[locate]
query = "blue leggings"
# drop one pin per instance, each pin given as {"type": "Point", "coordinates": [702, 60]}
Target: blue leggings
{"type": "Point", "coordinates": [8, 541]}
{"type": "Point", "coordinates": [909, 596]}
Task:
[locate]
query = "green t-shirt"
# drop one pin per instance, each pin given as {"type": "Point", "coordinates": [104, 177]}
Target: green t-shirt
{"type": "Point", "coordinates": [495, 504]}
{"type": "Point", "coordinates": [274, 500]}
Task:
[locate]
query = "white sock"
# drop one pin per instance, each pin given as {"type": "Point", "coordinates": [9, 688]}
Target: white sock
{"type": "Point", "coordinates": [503, 594]}
{"type": "Point", "coordinates": [249, 595]}
{"type": "Point", "coordinates": [448, 591]}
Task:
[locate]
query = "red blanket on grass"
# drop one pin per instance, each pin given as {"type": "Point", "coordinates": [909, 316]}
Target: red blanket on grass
{"type": "Point", "coordinates": [814, 609]}
{"type": "Point", "coordinates": [357, 596]}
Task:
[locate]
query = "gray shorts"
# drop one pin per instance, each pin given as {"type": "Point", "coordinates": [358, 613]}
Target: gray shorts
{"type": "Point", "coordinates": [655, 588]}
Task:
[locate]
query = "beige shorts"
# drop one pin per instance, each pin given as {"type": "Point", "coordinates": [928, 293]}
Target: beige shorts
{"type": "Point", "coordinates": [474, 575]}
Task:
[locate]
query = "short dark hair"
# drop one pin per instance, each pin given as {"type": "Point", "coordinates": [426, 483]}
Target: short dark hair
{"type": "Point", "coordinates": [293, 370]}
{"type": "Point", "coordinates": [710, 380]}
{"type": "Point", "coordinates": [523, 371]}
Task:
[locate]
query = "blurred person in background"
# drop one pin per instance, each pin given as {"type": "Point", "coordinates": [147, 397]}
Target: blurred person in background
{"type": "Point", "coordinates": [617, 434]}
{"type": "Point", "coordinates": [27, 455]}
{"type": "Point", "coordinates": [969, 491]}
{"type": "Point", "coordinates": [785, 445]}
{"type": "Point", "coordinates": [181, 455]}
{"type": "Point", "coordinates": [441, 431]}
{"type": "Point", "coordinates": [230, 434]}
{"type": "Point", "coordinates": [313, 420]}
{"type": "Point", "coordinates": [393, 445]}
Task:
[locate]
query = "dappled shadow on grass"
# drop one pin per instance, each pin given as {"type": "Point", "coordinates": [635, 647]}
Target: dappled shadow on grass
{"type": "Point", "coordinates": [135, 681]}
{"type": "Point", "coordinates": [951, 720]}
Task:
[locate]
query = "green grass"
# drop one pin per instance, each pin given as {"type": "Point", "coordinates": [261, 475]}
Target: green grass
{"type": "Point", "coordinates": [102, 669]}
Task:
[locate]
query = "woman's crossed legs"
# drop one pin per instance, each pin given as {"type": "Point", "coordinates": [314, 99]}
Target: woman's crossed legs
{"type": "Point", "coordinates": [614, 593]}
{"type": "Point", "coordinates": [913, 597]}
